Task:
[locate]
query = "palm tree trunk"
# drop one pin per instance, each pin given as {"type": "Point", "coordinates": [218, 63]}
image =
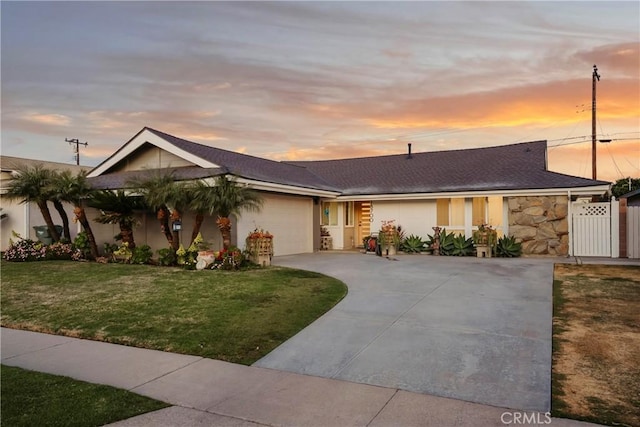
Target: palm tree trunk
{"type": "Point", "coordinates": [176, 216]}
{"type": "Point", "coordinates": [46, 214]}
{"type": "Point", "coordinates": [126, 233]}
{"type": "Point", "coordinates": [163, 217]}
{"type": "Point", "coordinates": [196, 227]}
{"type": "Point", "coordinates": [64, 218]}
{"type": "Point", "coordinates": [224, 224]}
{"type": "Point", "coordinates": [82, 218]}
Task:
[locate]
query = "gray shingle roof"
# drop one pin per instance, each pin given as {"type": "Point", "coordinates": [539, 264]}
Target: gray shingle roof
{"type": "Point", "coordinates": [251, 167]}
{"type": "Point", "coordinates": [508, 167]}
{"type": "Point", "coordinates": [113, 181]}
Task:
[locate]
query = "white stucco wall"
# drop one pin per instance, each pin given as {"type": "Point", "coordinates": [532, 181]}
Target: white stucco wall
{"type": "Point", "coordinates": [288, 218]}
{"type": "Point", "coordinates": [149, 157]}
{"type": "Point", "coordinates": [148, 232]}
{"type": "Point", "coordinates": [415, 216]}
{"type": "Point", "coordinates": [21, 218]}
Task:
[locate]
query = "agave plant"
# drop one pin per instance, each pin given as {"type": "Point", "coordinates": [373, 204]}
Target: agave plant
{"type": "Point", "coordinates": [446, 242]}
{"type": "Point", "coordinates": [412, 244]}
{"type": "Point", "coordinates": [462, 246]}
{"type": "Point", "coordinates": [508, 247]}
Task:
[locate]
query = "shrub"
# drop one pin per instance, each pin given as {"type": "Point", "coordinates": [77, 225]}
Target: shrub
{"type": "Point", "coordinates": [60, 251]}
{"type": "Point", "coordinates": [24, 250]}
{"type": "Point", "coordinates": [110, 248]}
{"type": "Point", "coordinates": [230, 259]}
{"type": "Point", "coordinates": [141, 254]}
{"type": "Point", "coordinates": [123, 253]}
{"type": "Point", "coordinates": [186, 258]}
{"type": "Point", "coordinates": [81, 245]}
{"type": "Point", "coordinates": [167, 257]}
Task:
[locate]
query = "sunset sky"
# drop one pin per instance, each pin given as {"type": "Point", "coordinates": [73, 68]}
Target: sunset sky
{"type": "Point", "coordinates": [322, 80]}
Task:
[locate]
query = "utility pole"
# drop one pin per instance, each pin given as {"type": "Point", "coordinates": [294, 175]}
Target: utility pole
{"type": "Point", "coordinates": [594, 77]}
{"type": "Point", "coordinates": [76, 149]}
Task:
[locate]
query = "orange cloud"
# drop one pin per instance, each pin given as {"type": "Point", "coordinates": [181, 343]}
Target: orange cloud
{"type": "Point", "coordinates": [552, 102]}
{"type": "Point", "coordinates": [47, 119]}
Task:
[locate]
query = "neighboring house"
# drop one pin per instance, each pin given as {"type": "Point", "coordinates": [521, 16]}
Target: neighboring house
{"type": "Point", "coordinates": [21, 218]}
{"type": "Point", "coordinates": [508, 187]}
{"type": "Point", "coordinates": [632, 198]}
{"type": "Point", "coordinates": [629, 223]}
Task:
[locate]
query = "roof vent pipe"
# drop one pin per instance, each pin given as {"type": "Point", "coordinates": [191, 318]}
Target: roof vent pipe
{"type": "Point", "coordinates": [409, 147]}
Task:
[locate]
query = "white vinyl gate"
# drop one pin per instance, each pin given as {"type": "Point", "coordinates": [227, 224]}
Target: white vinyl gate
{"type": "Point", "coordinates": [591, 229]}
{"type": "Point", "coordinates": [633, 231]}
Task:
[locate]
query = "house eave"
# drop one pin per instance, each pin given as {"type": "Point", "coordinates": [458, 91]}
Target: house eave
{"type": "Point", "coordinates": [146, 136]}
{"type": "Point", "coordinates": [579, 191]}
{"type": "Point", "coordinates": [283, 188]}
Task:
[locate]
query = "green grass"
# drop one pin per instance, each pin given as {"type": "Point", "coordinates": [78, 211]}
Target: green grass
{"type": "Point", "coordinates": [232, 316]}
{"type": "Point", "coordinates": [36, 399]}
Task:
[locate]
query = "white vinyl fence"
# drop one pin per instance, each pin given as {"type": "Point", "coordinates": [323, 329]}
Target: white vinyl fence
{"type": "Point", "coordinates": [591, 229]}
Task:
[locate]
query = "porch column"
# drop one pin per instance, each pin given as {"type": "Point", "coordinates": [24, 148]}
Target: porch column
{"type": "Point", "coordinates": [468, 217]}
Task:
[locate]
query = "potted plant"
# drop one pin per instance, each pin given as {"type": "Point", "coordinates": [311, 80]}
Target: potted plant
{"type": "Point", "coordinates": [259, 244]}
{"type": "Point", "coordinates": [389, 238]}
{"type": "Point", "coordinates": [485, 239]}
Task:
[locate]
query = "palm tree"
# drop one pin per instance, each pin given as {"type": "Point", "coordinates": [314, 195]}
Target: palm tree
{"type": "Point", "coordinates": [57, 204]}
{"type": "Point", "coordinates": [201, 201]}
{"type": "Point", "coordinates": [167, 197]}
{"type": "Point", "coordinates": [76, 189]}
{"type": "Point", "coordinates": [228, 198]}
{"type": "Point", "coordinates": [117, 207]}
{"type": "Point", "coordinates": [29, 184]}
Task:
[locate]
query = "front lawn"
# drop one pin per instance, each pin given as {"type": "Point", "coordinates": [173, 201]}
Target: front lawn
{"type": "Point", "coordinates": [596, 343]}
{"type": "Point", "coordinates": [36, 399]}
{"type": "Point", "coordinates": [233, 316]}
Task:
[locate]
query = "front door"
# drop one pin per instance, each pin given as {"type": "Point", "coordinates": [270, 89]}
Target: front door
{"type": "Point", "coordinates": [363, 221]}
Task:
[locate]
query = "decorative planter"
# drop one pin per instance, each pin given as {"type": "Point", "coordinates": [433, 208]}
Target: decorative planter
{"type": "Point", "coordinates": [484, 239]}
{"type": "Point", "coordinates": [483, 251]}
{"type": "Point", "coordinates": [260, 250]}
{"type": "Point", "coordinates": [205, 259]}
{"type": "Point", "coordinates": [326, 243]}
{"type": "Point", "coordinates": [388, 250]}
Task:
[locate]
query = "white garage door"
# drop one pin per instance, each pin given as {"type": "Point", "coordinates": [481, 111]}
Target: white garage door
{"type": "Point", "coordinates": [288, 218]}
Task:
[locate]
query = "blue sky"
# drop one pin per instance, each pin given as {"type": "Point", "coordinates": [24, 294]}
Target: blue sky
{"type": "Point", "coordinates": [316, 80]}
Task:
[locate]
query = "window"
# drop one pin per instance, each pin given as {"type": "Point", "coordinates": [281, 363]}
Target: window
{"type": "Point", "coordinates": [348, 214]}
{"type": "Point", "coordinates": [442, 206]}
{"type": "Point", "coordinates": [479, 211]}
{"type": "Point", "coordinates": [329, 213]}
{"type": "Point", "coordinates": [450, 212]}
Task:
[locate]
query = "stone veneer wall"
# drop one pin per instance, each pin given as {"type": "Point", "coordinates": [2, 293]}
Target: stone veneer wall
{"type": "Point", "coordinates": [540, 224]}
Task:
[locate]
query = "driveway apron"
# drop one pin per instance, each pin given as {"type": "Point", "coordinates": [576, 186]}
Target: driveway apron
{"type": "Point", "coordinates": [472, 329]}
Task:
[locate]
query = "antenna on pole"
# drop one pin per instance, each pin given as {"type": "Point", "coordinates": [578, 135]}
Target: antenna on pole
{"type": "Point", "coordinates": [595, 77]}
{"type": "Point", "coordinates": [76, 149]}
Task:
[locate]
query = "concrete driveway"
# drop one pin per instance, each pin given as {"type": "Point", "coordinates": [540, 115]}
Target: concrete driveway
{"type": "Point", "coordinates": [472, 329]}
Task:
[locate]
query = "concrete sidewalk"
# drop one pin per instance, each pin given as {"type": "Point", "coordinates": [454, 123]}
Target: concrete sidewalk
{"type": "Point", "coordinates": [208, 392]}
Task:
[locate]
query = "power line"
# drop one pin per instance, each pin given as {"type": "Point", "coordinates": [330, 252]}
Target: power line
{"type": "Point", "coordinates": [614, 162]}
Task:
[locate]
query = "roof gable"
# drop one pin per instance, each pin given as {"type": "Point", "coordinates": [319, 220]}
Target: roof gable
{"type": "Point", "coordinates": [212, 158]}
{"type": "Point", "coordinates": [146, 136]}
